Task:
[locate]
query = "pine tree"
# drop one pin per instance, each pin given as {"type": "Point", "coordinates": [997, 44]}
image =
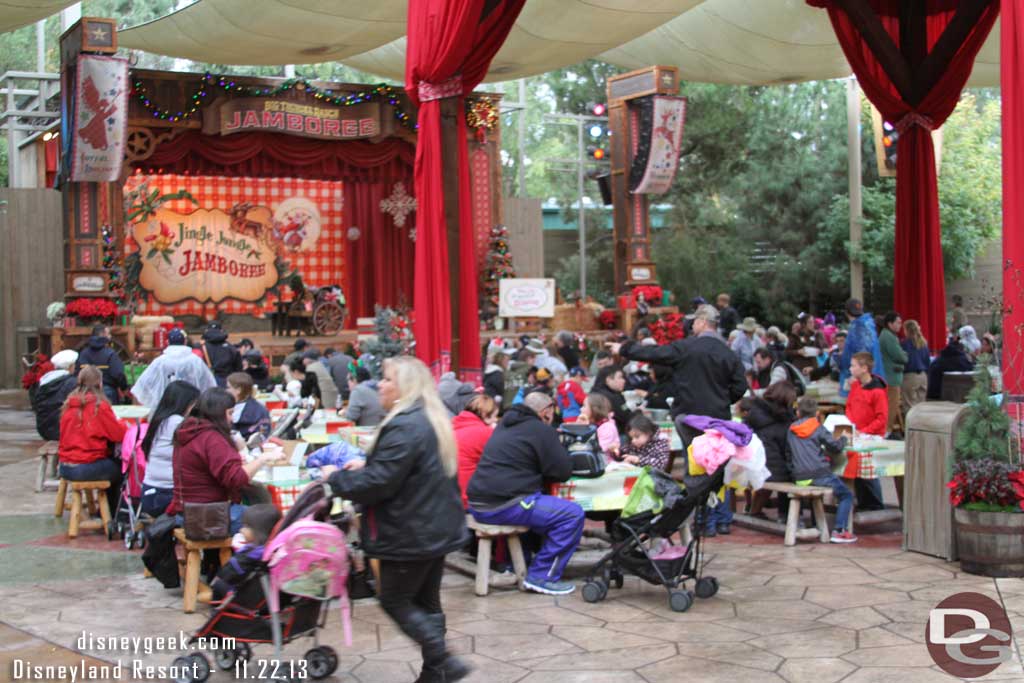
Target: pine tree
{"type": "Point", "coordinates": [498, 266]}
{"type": "Point", "coordinates": [393, 338]}
{"type": "Point", "coordinates": [985, 430]}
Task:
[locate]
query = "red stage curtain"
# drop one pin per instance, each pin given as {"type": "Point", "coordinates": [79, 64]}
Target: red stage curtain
{"type": "Point", "coordinates": [919, 278]}
{"type": "Point", "coordinates": [380, 262]}
{"type": "Point", "coordinates": [266, 155]}
{"type": "Point", "coordinates": [450, 45]}
{"type": "Point", "coordinates": [1011, 74]}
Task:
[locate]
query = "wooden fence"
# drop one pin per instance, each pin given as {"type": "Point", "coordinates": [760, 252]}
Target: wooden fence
{"type": "Point", "coordinates": [31, 271]}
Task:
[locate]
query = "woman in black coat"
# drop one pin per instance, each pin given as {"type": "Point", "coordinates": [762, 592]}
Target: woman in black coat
{"type": "Point", "coordinates": [412, 513]}
{"type": "Point", "coordinates": [770, 418]}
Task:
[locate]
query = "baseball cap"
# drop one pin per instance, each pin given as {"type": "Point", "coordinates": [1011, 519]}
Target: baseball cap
{"type": "Point", "coordinates": [311, 354]}
{"type": "Point", "coordinates": [176, 336]}
{"type": "Point", "coordinates": [543, 375]}
{"type": "Point", "coordinates": [300, 344]}
{"type": "Point", "coordinates": [577, 372]}
{"type": "Point", "coordinates": [855, 307]}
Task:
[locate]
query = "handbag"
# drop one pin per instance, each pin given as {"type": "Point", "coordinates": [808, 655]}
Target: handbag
{"type": "Point", "coordinates": [207, 521]}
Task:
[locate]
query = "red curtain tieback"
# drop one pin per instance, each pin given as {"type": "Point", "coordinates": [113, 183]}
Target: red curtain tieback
{"type": "Point", "coordinates": [914, 119]}
{"type": "Point", "coordinates": [438, 91]}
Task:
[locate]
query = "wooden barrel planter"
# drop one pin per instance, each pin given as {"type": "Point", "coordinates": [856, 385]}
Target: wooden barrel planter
{"type": "Point", "coordinates": [990, 543]}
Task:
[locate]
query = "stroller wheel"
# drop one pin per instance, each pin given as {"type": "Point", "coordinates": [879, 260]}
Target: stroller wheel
{"type": "Point", "coordinates": [319, 662]}
{"type": "Point", "coordinates": [706, 587]}
{"type": "Point", "coordinates": [243, 652]}
{"type": "Point", "coordinates": [129, 539]}
{"type": "Point", "coordinates": [617, 579]}
{"type": "Point", "coordinates": [330, 652]}
{"type": "Point", "coordinates": [201, 667]}
{"type": "Point", "coordinates": [183, 667]}
{"type": "Point", "coordinates": [594, 591]}
{"type": "Point", "coordinates": [225, 659]}
{"type": "Point", "coordinates": [680, 601]}
{"type": "Point", "coordinates": [140, 540]}
{"type": "Point", "coordinates": [121, 529]}
{"type": "Point", "coordinates": [111, 531]}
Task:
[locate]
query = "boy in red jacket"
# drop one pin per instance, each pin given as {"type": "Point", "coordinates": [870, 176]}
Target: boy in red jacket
{"type": "Point", "coordinates": [867, 407]}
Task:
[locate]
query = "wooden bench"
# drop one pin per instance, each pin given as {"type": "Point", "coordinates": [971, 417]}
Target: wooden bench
{"type": "Point", "coordinates": [485, 534]}
{"type": "Point", "coordinates": [48, 462]}
{"type": "Point", "coordinates": [94, 495]}
{"type": "Point", "coordinates": [796, 494]}
{"type": "Point", "coordinates": [193, 561]}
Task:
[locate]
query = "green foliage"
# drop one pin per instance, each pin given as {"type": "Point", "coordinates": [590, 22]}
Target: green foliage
{"type": "Point", "coordinates": [393, 338]}
{"type": "Point", "coordinates": [985, 431]}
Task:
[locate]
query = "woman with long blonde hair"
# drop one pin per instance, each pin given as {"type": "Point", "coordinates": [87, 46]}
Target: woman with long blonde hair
{"type": "Point", "coordinates": [915, 371]}
{"type": "Point", "coordinates": [412, 510]}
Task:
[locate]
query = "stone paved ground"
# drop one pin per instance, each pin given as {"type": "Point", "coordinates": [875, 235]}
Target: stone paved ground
{"type": "Point", "coordinates": [813, 613]}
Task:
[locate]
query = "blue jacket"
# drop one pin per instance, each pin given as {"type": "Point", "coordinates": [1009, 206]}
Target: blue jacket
{"type": "Point", "coordinates": [861, 336]}
{"type": "Point", "coordinates": [918, 360]}
{"type": "Point", "coordinates": [98, 353]}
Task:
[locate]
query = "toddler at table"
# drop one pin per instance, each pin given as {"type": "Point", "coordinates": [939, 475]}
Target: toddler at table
{"type": "Point", "coordinates": [597, 411]}
{"type": "Point", "coordinates": [806, 446]}
{"type": "Point", "coordinates": [646, 446]}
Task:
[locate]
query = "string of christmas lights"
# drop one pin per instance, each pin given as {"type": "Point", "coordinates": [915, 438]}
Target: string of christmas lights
{"type": "Point", "coordinates": [226, 84]}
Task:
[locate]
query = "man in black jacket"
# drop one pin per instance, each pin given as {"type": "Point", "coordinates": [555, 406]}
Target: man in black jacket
{"type": "Point", "coordinates": [97, 352]}
{"type": "Point", "coordinates": [507, 489]}
{"type": "Point", "coordinates": [223, 358]}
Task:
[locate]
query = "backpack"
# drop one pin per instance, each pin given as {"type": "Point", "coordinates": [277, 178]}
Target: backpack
{"type": "Point", "coordinates": [584, 450]}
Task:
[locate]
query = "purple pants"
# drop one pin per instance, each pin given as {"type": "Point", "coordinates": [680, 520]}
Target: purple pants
{"type": "Point", "coordinates": [559, 521]}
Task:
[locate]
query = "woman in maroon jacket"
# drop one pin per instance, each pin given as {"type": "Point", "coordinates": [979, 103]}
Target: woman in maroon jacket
{"type": "Point", "coordinates": [208, 467]}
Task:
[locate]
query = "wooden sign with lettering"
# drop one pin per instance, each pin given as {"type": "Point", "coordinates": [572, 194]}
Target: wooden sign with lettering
{"type": "Point", "coordinates": [324, 122]}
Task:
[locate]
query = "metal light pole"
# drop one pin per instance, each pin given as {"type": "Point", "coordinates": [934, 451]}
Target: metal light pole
{"type": "Point", "coordinates": [580, 121]}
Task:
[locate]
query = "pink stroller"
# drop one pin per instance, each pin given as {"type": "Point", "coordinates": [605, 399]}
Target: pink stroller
{"type": "Point", "coordinates": [125, 522]}
{"type": "Point", "coordinates": [305, 566]}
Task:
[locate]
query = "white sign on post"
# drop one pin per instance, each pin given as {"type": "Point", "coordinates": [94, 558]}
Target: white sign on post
{"type": "Point", "coordinates": [526, 298]}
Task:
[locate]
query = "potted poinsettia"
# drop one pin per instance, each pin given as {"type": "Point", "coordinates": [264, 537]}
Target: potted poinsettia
{"type": "Point", "coordinates": [987, 489]}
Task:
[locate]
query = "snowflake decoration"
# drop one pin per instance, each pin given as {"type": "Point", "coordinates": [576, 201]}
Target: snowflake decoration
{"type": "Point", "coordinates": [399, 205]}
{"type": "Point", "coordinates": [412, 234]}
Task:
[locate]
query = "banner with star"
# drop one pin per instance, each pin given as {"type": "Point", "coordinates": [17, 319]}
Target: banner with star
{"type": "Point", "coordinates": [100, 121]}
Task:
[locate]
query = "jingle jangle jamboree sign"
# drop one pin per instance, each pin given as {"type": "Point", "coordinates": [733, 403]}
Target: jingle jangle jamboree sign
{"type": "Point", "coordinates": [212, 255]}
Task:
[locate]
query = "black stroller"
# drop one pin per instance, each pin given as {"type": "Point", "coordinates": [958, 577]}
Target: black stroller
{"type": "Point", "coordinates": [631, 536]}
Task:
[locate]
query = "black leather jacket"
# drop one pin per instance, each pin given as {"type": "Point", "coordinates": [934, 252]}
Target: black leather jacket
{"type": "Point", "coordinates": [412, 509]}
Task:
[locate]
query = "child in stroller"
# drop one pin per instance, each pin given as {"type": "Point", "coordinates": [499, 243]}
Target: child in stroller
{"type": "Point", "coordinates": [282, 597]}
{"type": "Point", "coordinates": [668, 565]}
{"type": "Point", "coordinates": [258, 522]}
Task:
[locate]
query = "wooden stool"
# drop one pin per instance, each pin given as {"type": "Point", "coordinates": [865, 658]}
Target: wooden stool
{"type": "Point", "coordinates": [796, 495]}
{"type": "Point", "coordinates": [94, 494]}
{"type": "Point", "coordinates": [193, 558]}
{"type": "Point", "coordinates": [48, 461]}
{"type": "Point", "coordinates": [485, 533]}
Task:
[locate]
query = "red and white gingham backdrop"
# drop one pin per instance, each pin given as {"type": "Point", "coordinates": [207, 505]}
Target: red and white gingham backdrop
{"type": "Point", "coordinates": [324, 265]}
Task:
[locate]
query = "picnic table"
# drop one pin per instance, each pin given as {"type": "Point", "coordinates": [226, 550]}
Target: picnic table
{"type": "Point", "coordinates": [598, 494]}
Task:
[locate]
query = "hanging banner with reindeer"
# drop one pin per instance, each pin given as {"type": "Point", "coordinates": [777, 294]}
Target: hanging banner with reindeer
{"type": "Point", "coordinates": [100, 123]}
{"type": "Point", "coordinates": [659, 132]}
{"type": "Point", "coordinates": [234, 239]}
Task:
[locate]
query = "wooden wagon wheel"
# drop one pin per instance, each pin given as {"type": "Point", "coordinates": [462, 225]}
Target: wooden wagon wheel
{"type": "Point", "coordinates": [139, 143]}
{"type": "Point", "coordinates": [328, 318]}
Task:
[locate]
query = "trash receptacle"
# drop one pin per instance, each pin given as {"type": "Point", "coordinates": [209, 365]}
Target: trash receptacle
{"type": "Point", "coordinates": [927, 513]}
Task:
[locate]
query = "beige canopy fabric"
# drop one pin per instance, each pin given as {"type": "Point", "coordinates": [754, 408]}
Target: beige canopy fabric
{"type": "Point", "coordinates": [271, 31]}
{"type": "Point", "coordinates": [744, 42]}
{"type": "Point", "coordinates": [15, 14]}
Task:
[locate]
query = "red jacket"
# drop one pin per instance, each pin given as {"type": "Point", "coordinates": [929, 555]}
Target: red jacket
{"type": "Point", "coordinates": [867, 407]}
{"type": "Point", "coordinates": [207, 468]}
{"type": "Point", "coordinates": [471, 434]}
{"type": "Point", "coordinates": [87, 430]}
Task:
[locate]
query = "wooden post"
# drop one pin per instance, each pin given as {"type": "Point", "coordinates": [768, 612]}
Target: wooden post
{"type": "Point", "coordinates": [632, 244]}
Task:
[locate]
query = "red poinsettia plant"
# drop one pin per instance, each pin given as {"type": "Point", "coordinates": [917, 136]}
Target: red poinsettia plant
{"type": "Point", "coordinates": [987, 484]}
{"type": "Point", "coordinates": [652, 294]}
{"type": "Point", "coordinates": [92, 308]}
{"type": "Point", "coordinates": [607, 319]}
{"type": "Point", "coordinates": [667, 328]}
